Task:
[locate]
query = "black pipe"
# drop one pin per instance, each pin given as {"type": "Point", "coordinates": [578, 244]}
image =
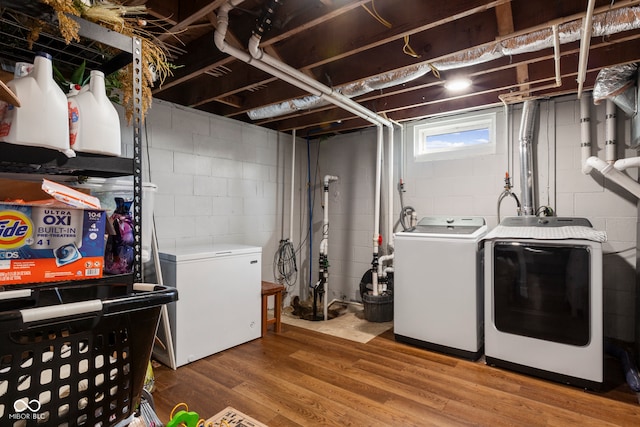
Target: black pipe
{"type": "Point", "coordinates": [318, 293]}
{"type": "Point", "coordinates": [628, 366]}
{"type": "Point", "coordinates": [266, 19]}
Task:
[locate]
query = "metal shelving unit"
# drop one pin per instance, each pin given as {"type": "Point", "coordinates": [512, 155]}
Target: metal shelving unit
{"type": "Point", "coordinates": [34, 160]}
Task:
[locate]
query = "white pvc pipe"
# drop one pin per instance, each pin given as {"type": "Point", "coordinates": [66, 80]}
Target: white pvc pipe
{"type": "Point", "coordinates": [390, 190]}
{"type": "Point", "coordinates": [556, 54]}
{"type": "Point", "coordinates": [278, 69]}
{"type": "Point", "coordinates": [324, 90]}
{"type": "Point", "coordinates": [324, 244]}
{"type": "Point", "coordinates": [402, 154]}
{"type": "Point", "coordinates": [585, 132]}
{"type": "Point", "coordinates": [293, 175]}
{"type": "Point", "coordinates": [376, 207]}
{"type": "Point", "coordinates": [526, 92]}
{"type": "Point", "coordinates": [223, 46]}
{"type": "Point", "coordinates": [610, 132]}
{"type": "Point", "coordinates": [341, 101]}
{"type": "Point", "coordinates": [584, 46]}
{"type": "Point", "coordinates": [324, 248]}
{"type": "Point", "coordinates": [631, 162]}
{"type": "Point", "coordinates": [614, 175]}
{"type": "Point", "coordinates": [381, 261]}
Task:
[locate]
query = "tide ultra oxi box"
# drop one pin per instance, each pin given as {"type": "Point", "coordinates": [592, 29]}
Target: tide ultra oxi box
{"type": "Point", "coordinates": [50, 243]}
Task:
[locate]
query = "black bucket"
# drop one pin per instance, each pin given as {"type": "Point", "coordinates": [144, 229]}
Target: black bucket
{"type": "Point", "coordinates": [378, 308]}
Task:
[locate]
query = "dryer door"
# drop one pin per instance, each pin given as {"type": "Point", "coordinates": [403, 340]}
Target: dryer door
{"type": "Point", "coordinates": [542, 291]}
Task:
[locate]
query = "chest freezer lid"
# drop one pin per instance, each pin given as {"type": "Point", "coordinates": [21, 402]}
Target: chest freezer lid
{"type": "Point", "coordinates": [208, 251]}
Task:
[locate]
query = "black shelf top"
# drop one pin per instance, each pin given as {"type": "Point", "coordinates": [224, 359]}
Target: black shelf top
{"type": "Point", "coordinates": [114, 279]}
{"type": "Point", "coordinates": [23, 159]}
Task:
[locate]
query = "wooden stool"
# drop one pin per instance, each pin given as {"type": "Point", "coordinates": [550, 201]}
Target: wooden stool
{"type": "Point", "coordinates": [269, 289]}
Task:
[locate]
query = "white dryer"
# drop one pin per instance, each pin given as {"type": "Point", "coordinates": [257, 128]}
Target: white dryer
{"type": "Point", "coordinates": [438, 292]}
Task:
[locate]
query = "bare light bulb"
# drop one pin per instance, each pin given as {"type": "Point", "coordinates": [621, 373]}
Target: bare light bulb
{"type": "Point", "coordinates": [457, 85]}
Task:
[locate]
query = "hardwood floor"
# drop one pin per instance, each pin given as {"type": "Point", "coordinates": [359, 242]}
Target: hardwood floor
{"type": "Point", "coordinates": [304, 378]}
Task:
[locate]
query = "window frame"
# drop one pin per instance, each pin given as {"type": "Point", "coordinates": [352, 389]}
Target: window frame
{"type": "Point", "coordinates": [444, 126]}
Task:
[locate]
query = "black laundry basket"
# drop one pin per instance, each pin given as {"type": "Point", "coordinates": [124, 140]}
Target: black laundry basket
{"type": "Point", "coordinates": [76, 355]}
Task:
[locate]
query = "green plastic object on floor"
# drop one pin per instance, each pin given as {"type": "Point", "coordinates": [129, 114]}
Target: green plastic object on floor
{"type": "Point", "coordinates": [190, 419]}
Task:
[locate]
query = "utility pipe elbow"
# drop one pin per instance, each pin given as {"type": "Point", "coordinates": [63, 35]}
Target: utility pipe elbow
{"type": "Point", "coordinates": [254, 47]}
{"type": "Point", "coordinates": [218, 39]}
{"type": "Point", "coordinates": [598, 164]}
{"type": "Point", "coordinates": [223, 23]}
{"type": "Point", "coordinates": [386, 271]}
{"type": "Point", "coordinates": [631, 162]}
{"type": "Point", "coordinates": [385, 258]}
{"type": "Point", "coordinates": [381, 261]}
{"type": "Point", "coordinates": [611, 173]}
{"type": "Point", "coordinates": [329, 178]}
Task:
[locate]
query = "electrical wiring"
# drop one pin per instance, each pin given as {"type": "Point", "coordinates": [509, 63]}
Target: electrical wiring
{"type": "Point", "coordinates": [376, 15]}
{"type": "Point", "coordinates": [406, 49]}
{"type": "Point", "coordinates": [284, 264]}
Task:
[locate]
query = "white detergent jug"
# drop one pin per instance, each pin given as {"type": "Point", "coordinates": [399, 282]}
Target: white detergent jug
{"type": "Point", "coordinates": [41, 120]}
{"type": "Point", "coordinates": [94, 122]}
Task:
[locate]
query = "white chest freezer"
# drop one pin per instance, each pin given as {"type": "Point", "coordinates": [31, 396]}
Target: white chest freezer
{"type": "Point", "coordinates": [219, 303]}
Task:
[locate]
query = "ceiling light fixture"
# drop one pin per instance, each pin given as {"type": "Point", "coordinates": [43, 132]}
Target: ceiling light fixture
{"type": "Point", "coordinates": [457, 85]}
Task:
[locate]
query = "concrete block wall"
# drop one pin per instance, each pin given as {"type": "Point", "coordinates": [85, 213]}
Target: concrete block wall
{"type": "Point", "coordinates": [471, 186]}
{"type": "Point", "coordinates": [351, 222]}
{"type": "Point", "coordinates": [219, 180]}
{"type": "Point", "coordinates": [606, 205]}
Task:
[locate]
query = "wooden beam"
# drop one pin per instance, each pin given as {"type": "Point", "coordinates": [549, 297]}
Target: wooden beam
{"type": "Point", "coordinates": [193, 17]}
{"type": "Point", "coordinates": [162, 9]}
{"type": "Point", "coordinates": [504, 16]}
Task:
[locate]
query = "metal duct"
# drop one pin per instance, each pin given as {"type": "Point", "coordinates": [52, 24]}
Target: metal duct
{"type": "Point", "coordinates": [527, 124]}
{"type": "Point", "coordinates": [615, 82]}
{"type": "Point", "coordinates": [607, 23]}
{"type": "Point", "coordinates": [619, 85]}
{"type": "Point", "coordinates": [350, 90]}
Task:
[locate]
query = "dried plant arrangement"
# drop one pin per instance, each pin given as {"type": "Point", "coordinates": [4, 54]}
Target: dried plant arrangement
{"type": "Point", "coordinates": [127, 20]}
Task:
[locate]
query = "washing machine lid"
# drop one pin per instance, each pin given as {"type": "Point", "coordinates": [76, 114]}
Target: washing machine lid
{"type": "Point", "coordinates": [450, 226]}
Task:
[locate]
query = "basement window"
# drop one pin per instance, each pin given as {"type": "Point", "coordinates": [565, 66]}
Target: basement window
{"type": "Point", "coordinates": [453, 138]}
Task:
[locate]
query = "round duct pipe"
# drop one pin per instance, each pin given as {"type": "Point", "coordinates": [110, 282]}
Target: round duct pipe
{"type": "Point", "coordinates": [525, 138]}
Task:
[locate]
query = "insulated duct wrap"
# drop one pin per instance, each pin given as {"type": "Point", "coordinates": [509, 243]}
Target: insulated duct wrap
{"type": "Point", "coordinates": [611, 22]}
{"type": "Point", "coordinates": [613, 82]}
{"type": "Point", "coordinates": [607, 23]}
{"type": "Point", "coordinates": [619, 85]}
{"type": "Point", "coordinates": [613, 79]}
{"type": "Point", "coordinates": [350, 90]}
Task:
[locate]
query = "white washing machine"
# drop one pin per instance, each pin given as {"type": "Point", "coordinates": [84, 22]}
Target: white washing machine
{"type": "Point", "coordinates": [438, 292]}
